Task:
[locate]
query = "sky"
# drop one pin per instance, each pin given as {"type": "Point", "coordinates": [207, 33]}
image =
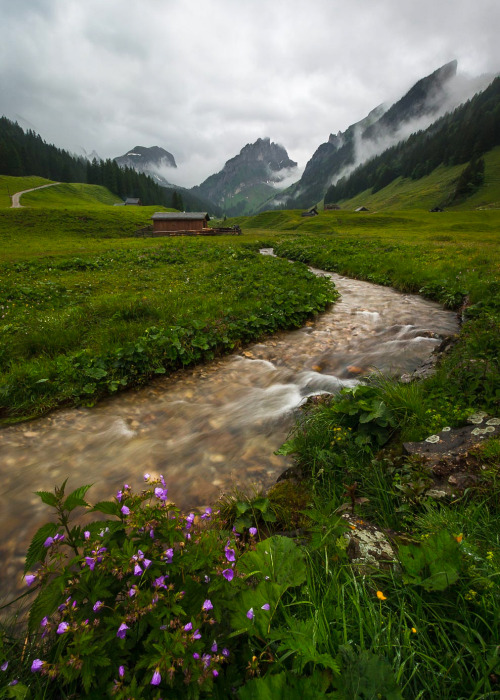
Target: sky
{"type": "Point", "coordinates": [202, 78]}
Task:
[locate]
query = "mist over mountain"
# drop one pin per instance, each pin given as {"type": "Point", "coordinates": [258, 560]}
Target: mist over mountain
{"type": "Point", "coordinates": [427, 100]}
{"type": "Point", "coordinates": [152, 161]}
{"type": "Point", "coordinates": [248, 179]}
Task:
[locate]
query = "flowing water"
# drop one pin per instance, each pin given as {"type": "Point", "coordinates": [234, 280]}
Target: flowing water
{"type": "Point", "coordinates": [209, 428]}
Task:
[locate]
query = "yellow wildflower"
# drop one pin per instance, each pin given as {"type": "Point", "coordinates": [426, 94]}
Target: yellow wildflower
{"type": "Point", "coordinates": [381, 596]}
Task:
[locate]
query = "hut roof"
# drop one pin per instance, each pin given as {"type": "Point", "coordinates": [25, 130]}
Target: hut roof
{"type": "Point", "coordinates": [133, 200]}
{"type": "Point", "coordinates": [180, 216]}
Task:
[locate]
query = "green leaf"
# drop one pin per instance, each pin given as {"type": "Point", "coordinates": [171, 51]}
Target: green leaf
{"type": "Point", "coordinates": [242, 507]}
{"type": "Point", "coordinates": [44, 605]}
{"type": "Point", "coordinates": [96, 372]}
{"type": "Point", "coordinates": [36, 551]}
{"type": "Point", "coordinates": [277, 557]}
{"type": "Point", "coordinates": [106, 507]}
{"type": "Point", "coordinates": [76, 499]}
{"type": "Point", "coordinates": [47, 497]}
{"type": "Point", "coordinates": [285, 686]}
{"type": "Point", "coordinates": [434, 564]}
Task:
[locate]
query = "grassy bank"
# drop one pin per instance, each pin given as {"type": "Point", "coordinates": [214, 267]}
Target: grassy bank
{"type": "Point", "coordinates": [178, 605]}
{"type": "Point", "coordinates": [87, 311]}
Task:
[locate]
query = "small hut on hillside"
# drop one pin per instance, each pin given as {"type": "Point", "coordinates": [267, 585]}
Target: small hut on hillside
{"type": "Point", "coordinates": [311, 212]}
{"type": "Point", "coordinates": [361, 209]}
{"type": "Point", "coordinates": [167, 223]}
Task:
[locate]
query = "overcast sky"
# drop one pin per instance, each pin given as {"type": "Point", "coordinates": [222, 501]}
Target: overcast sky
{"type": "Point", "coordinates": [202, 78]}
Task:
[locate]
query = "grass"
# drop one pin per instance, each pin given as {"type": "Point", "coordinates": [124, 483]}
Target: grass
{"type": "Point", "coordinates": [9, 185]}
{"type": "Point", "coordinates": [426, 628]}
{"type": "Point", "coordinates": [432, 190]}
{"type": "Point", "coordinates": [68, 195]}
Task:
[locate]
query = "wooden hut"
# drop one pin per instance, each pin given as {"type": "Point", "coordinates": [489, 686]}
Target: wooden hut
{"type": "Point", "coordinates": [166, 223]}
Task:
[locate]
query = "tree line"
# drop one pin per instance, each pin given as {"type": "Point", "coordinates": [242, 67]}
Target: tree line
{"type": "Point", "coordinates": [458, 137]}
{"type": "Point", "coordinates": [26, 153]}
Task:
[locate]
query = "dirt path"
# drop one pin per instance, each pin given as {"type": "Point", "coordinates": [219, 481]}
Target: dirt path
{"type": "Point", "coordinates": [16, 204]}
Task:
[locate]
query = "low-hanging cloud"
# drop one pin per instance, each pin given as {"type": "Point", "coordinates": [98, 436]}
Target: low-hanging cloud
{"type": "Point", "coordinates": [201, 78]}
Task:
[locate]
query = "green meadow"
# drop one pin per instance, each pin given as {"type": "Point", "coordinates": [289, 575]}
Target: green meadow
{"type": "Point", "coordinates": [88, 309]}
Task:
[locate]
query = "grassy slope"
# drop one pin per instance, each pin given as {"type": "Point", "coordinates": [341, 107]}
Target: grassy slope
{"type": "Point", "coordinates": [70, 195]}
{"type": "Point", "coordinates": [433, 189]}
{"type": "Point", "coordinates": [9, 185]}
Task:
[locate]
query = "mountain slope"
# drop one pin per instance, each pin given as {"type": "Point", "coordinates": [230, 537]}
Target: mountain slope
{"type": "Point", "coordinates": [247, 179]}
{"type": "Point", "coordinates": [382, 127]}
{"type": "Point", "coordinates": [461, 136]}
{"type": "Point", "coordinates": [149, 161]}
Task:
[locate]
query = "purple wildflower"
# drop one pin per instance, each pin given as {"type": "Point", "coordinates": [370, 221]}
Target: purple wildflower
{"type": "Point", "coordinates": [63, 626]}
{"type": "Point", "coordinates": [14, 682]}
{"type": "Point", "coordinates": [44, 621]}
{"type": "Point", "coordinates": [121, 671]}
{"type": "Point", "coordinates": [122, 630]}
{"type": "Point", "coordinates": [196, 655]}
{"type": "Point", "coordinates": [160, 582]}
{"type": "Point", "coordinates": [48, 542]}
{"type": "Point", "coordinates": [152, 534]}
{"type": "Point", "coordinates": [189, 520]}
{"type": "Point", "coordinates": [230, 556]}
{"type": "Point", "coordinates": [161, 494]}
{"type": "Point", "coordinates": [37, 665]}
{"type": "Point", "coordinates": [146, 563]}
{"type": "Point", "coordinates": [90, 561]}
{"type": "Point", "coordinates": [137, 570]}
{"type": "Point", "coordinates": [215, 673]}
{"type": "Point", "coordinates": [206, 658]}
{"type": "Point", "coordinates": [147, 477]}
{"type": "Point", "coordinates": [228, 574]}
{"type": "Point", "coordinates": [97, 605]}
{"type": "Point", "coordinates": [169, 555]}
{"type": "Point", "coordinates": [29, 578]}
{"type": "Point", "coordinates": [156, 679]}
{"type": "Point", "coordinates": [119, 496]}
{"type": "Point", "coordinates": [207, 514]}
{"type": "Point", "coordinates": [132, 592]}
{"type": "Point", "coordinates": [125, 510]}
{"type": "Point", "coordinates": [214, 647]}
{"type": "Point", "coordinates": [266, 606]}
{"type": "Point", "coordinates": [225, 652]}
{"type": "Point", "coordinates": [250, 614]}
{"type": "Point", "coordinates": [188, 627]}
{"type": "Point", "coordinates": [196, 634]}
{"type": "Point", "coordinates": [4, 666]}
{"type": "Point", "coordinates": [252, 531]}
{"type": "Point", "coordinates": [86, 534]}
{"type": "Point", "coordinates": [207, 605]}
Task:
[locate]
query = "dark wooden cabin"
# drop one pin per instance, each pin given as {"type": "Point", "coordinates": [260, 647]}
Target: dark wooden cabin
{"type": "Point", "coordinates": [166, 223]}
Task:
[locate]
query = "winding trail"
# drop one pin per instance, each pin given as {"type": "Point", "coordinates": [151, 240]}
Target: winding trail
{"type": "Point", "coordinates": [16, 204]}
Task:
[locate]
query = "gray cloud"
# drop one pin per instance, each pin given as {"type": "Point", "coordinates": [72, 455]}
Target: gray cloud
{"type": "Point", "coordinates": [204, 77]}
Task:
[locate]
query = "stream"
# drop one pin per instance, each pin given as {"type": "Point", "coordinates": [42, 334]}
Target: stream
{"type": "Point", "coordinates": [211, 427]}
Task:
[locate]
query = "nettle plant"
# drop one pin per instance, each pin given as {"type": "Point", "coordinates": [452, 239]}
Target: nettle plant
{"type": "Point", "coordinates": [134, 606]}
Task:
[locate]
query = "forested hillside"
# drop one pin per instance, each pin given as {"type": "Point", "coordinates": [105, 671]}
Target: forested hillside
{"type": "Point", "coordinates": [26, 153]}
{"type": "Point", "coordinates": [462, 136]}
